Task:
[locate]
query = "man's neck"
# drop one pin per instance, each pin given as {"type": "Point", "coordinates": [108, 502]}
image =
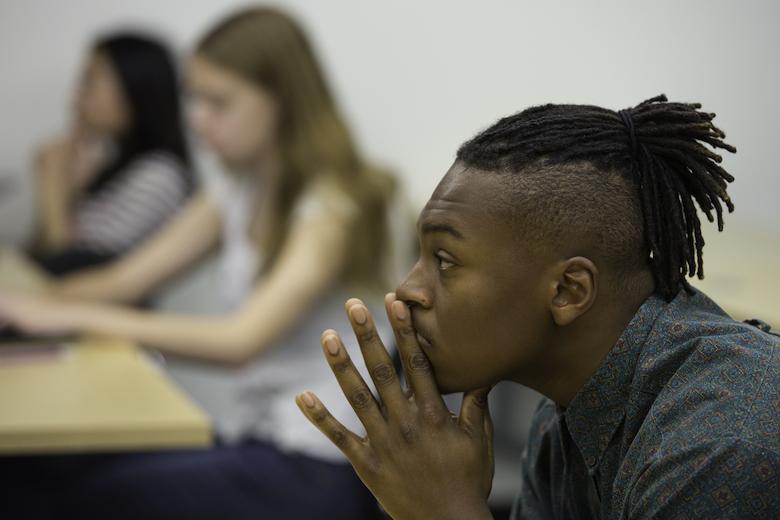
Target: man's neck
{"type": "Point", "coordinates": [577, 351]}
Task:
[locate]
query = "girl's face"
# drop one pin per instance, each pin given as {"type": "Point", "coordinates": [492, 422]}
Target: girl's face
{"type": "Point", "coordinates": [236, 118]}
{"type": "Point", "coordinates": [100, 101]}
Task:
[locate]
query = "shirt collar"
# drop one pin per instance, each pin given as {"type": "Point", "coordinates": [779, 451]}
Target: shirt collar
{"type": "Point", "coordinates": [599, 406]}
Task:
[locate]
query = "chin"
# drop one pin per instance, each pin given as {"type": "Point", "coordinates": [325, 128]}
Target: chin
{"type": "Point", "coordinates": [454, 385]}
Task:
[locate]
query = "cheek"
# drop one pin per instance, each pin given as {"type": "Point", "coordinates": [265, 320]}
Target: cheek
{"type": "Point", "coordinates": [484, 339]}
{"type": "Point", "coordinates": [103, 107]}
{"type": "Point", "coordinates": [92, 107]}
{"type": "Point", "coordinates": [220, 130]}
{"type": "Point", "coordinates": [199, 120]}
{"type": "Point", "coordinates": [259, 125]}
{"type": "Point", "coordinates": [242, 134]}
{"type": "Point", "coordinates": [470, 340]}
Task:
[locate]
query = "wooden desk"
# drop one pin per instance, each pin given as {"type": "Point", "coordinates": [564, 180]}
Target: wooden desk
{"type": "Point", "coordinates": [742, 271]}
{"type": "Point", "coordinates": [97, 395]}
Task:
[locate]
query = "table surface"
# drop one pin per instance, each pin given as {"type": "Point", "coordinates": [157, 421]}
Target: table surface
{"type": "Point", "coordinates": [742, 271]}
{"type": "Point", "coordinates": [92, 395]}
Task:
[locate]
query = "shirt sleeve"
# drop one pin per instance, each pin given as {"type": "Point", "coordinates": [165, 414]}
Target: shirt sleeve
{"type": "Point", "coordinates": [324, 199]}
{"type": "Point", "coordinates": [149, 192]}
{"type": "Point", "coordinates": [720, 478]}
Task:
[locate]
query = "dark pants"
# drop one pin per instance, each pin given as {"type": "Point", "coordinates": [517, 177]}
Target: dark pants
{"type": "Point", "coordinates": [250, 480]}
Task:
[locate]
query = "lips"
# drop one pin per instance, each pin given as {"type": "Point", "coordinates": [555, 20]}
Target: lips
{"type": "Point", "coordinates": [422, 336]}
{"type": "Point", "coordinates": [423, 341]}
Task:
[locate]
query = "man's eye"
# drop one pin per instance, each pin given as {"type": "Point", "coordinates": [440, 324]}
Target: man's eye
{"type": "Point", "coordinates": [443, 263]}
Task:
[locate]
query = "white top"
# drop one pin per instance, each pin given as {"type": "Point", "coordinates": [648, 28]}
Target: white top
{"type": "Point", "coordinates": [263, 402]}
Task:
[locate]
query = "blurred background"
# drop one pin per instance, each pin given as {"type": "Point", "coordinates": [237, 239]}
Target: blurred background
{"type": "Point", "coordinates": [415, 79]}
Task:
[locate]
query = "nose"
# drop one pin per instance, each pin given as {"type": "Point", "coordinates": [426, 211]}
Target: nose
{"type": "Point", "coordinates": [413, 290]}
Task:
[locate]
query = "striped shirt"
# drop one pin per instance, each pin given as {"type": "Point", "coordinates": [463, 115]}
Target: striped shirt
{"type": "Point", "coordinates": [131, 206]}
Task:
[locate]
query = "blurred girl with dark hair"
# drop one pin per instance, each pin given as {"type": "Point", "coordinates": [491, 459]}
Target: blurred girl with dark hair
{"type": "Point", "coordinates": [124, 169]}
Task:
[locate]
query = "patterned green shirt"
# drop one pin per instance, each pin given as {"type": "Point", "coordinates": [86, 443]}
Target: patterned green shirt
{"type": "Point", "coordinates": [681, 421]}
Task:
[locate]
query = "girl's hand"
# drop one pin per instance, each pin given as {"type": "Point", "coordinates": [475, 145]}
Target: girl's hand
{"type": "Point", "coordinates": [33, 313]}
{"type": "Point", "coordinates": [418, 459]}
{"type": "Point", "coordinates": [57, 155]}
{"type": "Point", "coordinates": [73, 158]}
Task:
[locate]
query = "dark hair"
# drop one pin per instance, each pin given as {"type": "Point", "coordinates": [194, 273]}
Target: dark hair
{"type": "Point", "coordinates": [149, 82]}
{"type": "Point", "coordinates": [657, 146]}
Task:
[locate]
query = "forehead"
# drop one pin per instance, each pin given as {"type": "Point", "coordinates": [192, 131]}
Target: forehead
{"type": "Point", "coordinates": [467, 199]}
{"type": "Point", "coordinates": [203, 74]}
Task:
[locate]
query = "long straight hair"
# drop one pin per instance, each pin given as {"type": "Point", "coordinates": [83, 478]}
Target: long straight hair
{"type": "Point", "coordinates": [149, 84]}
{"type": "Point", "coordinates": [269, 49]}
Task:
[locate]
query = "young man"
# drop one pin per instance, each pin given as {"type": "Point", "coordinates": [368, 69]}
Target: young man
{"type": "Point", "coordinates": [554, 254]}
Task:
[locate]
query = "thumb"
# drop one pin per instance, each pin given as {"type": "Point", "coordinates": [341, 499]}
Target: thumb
{"type": "Point", "coordinates": [473, 411]}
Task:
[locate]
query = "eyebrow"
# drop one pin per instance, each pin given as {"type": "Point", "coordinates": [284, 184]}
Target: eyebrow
{"type": "Point", "coordinates": [434, 227]}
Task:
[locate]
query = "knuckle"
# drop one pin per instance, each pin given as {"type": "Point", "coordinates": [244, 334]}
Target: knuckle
{"type": "Point", "coordinates": [480, 400]}
{"type": "Point", "coordinates": [383, 374]}
{"type": "Point", "coordinates": [468, 429]}
{"type": "Point", "coordinates": [367, 335]}
{"type": "Point", "coordinates": [339, 438]}
{"type": "Point", "coordinates": [360, 398]}
{"type": "Point", "coordinates": [372, 465]}
{"type": "Point", "coordinates": [341, 366]}
{"type": "Point", "coordinates": [319, 415]}
{"type": "Point", "coordinates": [407, 330]}
{"type": "Point", "coordinates": [434, 415]}
{"type": "Point", "coordinates": [419, 363]}
{"type": "Point", "coordinates": [408, 433]}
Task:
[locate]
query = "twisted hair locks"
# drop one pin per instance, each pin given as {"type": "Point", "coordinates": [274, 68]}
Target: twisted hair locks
{"type": "Point", "coordinates": [666, 149]}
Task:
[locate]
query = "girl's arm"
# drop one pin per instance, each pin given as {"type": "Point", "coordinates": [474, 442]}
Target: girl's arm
{"type": "Point", "coordinates": [309, 263]}
{"type": "Point", "coordinates": [186, 238]}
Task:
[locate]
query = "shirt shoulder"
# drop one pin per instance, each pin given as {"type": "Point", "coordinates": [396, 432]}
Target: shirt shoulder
{"type": "Point", "coordinates": [325, 198]}
{"type": "Point", "coordinates": [720, 477]}
{"type": "Point", "coordinates": [725, 383]}
{"type": "Point", "coordinates": [156, 174]}
{"type": "Point", "coordinates": [711, 437]}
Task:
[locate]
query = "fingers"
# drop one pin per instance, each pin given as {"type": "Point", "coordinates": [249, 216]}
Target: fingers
{"type": "Point", "coordinates": [352, 384]}
{"type": "Point", "coordinates": [378, 361]}
{"type": "Point", "coordinates": [349, 443]}
{"type": "Point", "coordinates": [474, 412]}
{"type": "Point", "coordinates": [419, 372]}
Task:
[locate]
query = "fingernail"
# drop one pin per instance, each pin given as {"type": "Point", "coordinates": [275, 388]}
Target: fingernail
{"type": "Point", "coordinates": [359, 314]}
{"type": "Point", "coordinates": [307, 399]}
{"type": "Point", "coordinates": [332, 345]}
{"type": "Point", "coordinates": [399, 309]}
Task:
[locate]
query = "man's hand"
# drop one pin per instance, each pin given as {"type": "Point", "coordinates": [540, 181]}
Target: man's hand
{"type": "Point", "coordinates": [418, 459]}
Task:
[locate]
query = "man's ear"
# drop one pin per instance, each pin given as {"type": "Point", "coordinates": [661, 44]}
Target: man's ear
{"type": "Point", "coordinates": [575, 289]}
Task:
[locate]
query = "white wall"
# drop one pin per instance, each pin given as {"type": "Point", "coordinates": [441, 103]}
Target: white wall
{"type": "Point", "coordinates": [417, 78]}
